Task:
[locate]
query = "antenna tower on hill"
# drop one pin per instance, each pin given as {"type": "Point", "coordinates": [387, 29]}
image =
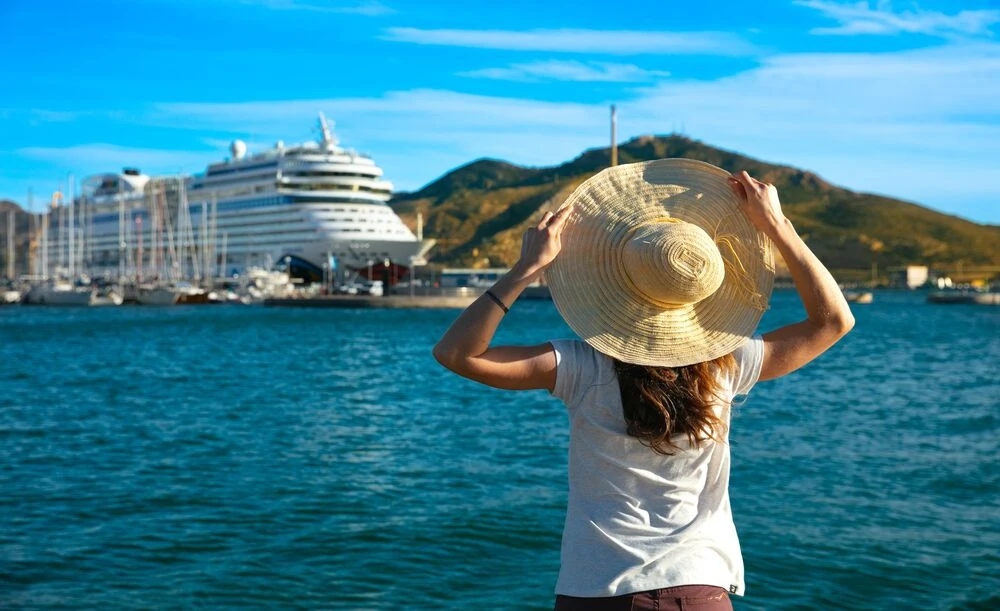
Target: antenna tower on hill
{"type": "Point", "coordinates": [614, 137]}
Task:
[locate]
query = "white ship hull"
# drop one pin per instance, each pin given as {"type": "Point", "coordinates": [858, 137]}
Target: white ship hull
{"type": "Point", "coordinates": [58, 295]}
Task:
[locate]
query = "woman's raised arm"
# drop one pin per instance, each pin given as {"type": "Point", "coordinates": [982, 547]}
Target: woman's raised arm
{"type": "Point", "coordinates": [828, 317]}
{"type": "Point", "coordinates": [465, 347]}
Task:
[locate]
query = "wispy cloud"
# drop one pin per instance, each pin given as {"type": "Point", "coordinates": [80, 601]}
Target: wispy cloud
{"type": "Point", "coordinates": [103, 157]}
{"type": "Point", "coordinates": [610, 42]}
{"type": "Point", "coordinates": [53, 116]}
{"type": "Point", "coordinates": [421, 108]}
{"type": "Point", "coordinates": [555, 70]}
{"type": "Point", "coordinates": [437, 129]}
{"type": "Point", "coordinates": [795, 101]}
{"type": "Point", "coordinates": [861, 18]}
{"type": "Point", "coordinates": [369, 8]}
{"type": "Point", "coordinates": [35, 117]}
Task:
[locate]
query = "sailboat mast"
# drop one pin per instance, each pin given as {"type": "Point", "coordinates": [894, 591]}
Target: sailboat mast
{"type": "Point", "coordinates": [70, 250]}
{"type": "Point", "coordinates": [138, 228]}
{"type": "Point", "coordinates": [225, 255]}
{"type": "Point", "coordinates": [85, 221]}
{"type": "Point", "coordinates": [204, 239]}
{"type": "Point", "coordinates": [45, 244]}
{"type": "Point", "coordinates": [61, 234]}
{"type": "Point", "coordinates": [32, 254]}
{"type": "Point", "coordinates": [187, 234]}
{"type": "Point", "coordinates": [121, 233]}
{"type": "Point", "coordinates": [10, 244]}
{"type": "Point", "coordinates": [154, 234]}
{"type": "Point", "coordinates": [215, 242]}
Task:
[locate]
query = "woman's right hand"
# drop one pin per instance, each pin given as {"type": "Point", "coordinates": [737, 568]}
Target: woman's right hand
{"type": "Point", "coordinates": [828, 317]}
{"type": "Point", "coordinates": [759, 201]}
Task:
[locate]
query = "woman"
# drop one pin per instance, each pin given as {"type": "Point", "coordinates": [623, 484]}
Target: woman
{"type": "Point", "coordinates": [664, 270]}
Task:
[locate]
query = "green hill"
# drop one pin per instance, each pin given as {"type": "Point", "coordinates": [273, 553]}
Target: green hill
{"type": "Point", "coordinates": [479, 211]}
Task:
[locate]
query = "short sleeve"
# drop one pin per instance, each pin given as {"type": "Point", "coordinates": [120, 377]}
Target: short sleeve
{"type": "Point", "coordinates": [575, 369]}
{"type": "Point", "coordinates": [749, 359]}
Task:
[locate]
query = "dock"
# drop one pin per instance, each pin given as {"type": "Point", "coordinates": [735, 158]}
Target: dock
{"type": "Point", "coordinates": [964, 297]}
{"type": "Point", "coordinates": [365, 301]}
{"type": "Point", "coordinates": [423, 298]}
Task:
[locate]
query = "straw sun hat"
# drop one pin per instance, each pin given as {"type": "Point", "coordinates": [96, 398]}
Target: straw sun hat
{"type": "Point", "coordinates": [659, 266]}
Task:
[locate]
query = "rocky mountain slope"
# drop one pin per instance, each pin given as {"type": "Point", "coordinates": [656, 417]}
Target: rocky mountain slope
{"type": "Point", "coordinates": [479, 211]}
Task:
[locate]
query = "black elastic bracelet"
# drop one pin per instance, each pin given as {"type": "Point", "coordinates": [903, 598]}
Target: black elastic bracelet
{"type": "Point", "coordinates": [497, 301]}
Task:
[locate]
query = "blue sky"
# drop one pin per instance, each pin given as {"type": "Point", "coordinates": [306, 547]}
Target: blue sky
{"type": "Point", "coordinates": [897, 98]}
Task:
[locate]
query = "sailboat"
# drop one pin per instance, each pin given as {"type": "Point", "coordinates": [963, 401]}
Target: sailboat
{"type": "Point", "coordinates": [57, 291]}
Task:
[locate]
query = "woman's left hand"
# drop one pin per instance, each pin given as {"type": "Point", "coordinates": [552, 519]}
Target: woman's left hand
{"type": "Point", "coordinates": [541, 244]}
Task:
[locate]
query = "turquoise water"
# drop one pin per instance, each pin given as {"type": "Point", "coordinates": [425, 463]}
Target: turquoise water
{"type": "Point", "coordinates": [252, 457]}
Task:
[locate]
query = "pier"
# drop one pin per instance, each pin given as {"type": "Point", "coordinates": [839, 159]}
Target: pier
{"type": "Point", "coordinates": [981, 298]}
{"type": "Point", "coordinates": [366, 301]}
{"type": "Point", "coordinates": [424, 298]}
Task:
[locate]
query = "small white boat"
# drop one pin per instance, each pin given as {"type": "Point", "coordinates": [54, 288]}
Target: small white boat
{"type": "Point", "coordinates": [859, 296]}
{"type": "Point", "coordinates": [59, 293]}
{"type": "Point", "coordinates": [10, 296]}
{"type": "Point", "coordinates": [157, 296]}
{"type": "Point", "coordinates": [110, 298]}
{"type": "Point", "coordinates": [964, 296]}
{"type": "Point", "coordinates": [263, 284]}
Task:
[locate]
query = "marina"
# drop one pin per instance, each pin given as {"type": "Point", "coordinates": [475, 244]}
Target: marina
{"type": "Point", "coordinates": [314, 212]}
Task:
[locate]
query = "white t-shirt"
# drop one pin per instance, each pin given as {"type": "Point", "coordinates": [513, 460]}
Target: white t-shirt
{"type": "Point", "coordinates": [637, 520]}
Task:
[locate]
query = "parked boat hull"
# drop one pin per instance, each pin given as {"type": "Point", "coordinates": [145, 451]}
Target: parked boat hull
{"type": "Point", "coordinates": [157, 296]}
{"type": "Point", "coordinates": [58, 296]}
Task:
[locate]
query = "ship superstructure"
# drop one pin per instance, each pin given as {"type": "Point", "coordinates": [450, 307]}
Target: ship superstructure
{"type": "Point", "coordinates": [305, 207]}
{"type": "Point", "coordinates": [305, 204]}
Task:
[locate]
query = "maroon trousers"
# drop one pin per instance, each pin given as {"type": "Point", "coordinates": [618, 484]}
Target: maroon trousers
{"type": "Point", "coordinates": [679, 598]}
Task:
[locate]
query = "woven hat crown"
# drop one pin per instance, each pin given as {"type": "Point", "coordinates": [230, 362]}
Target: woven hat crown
{"type": "Point", "coordinates": [659, 266]}
{"type": "Point", "coordinates": [672, 263]}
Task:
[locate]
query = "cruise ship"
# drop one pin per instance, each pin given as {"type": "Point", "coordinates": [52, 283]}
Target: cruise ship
{"type": "Point", "coordinates": [303, 208]}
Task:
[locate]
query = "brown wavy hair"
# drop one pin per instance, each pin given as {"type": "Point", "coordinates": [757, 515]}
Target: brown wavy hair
{"type": "Point", "coordinates": [661, 402]}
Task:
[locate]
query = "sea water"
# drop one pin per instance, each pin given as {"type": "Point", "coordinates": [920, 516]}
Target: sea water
{"type": "Point", "coordinates": [224, 456]}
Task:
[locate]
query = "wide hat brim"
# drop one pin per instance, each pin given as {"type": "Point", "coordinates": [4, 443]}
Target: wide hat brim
{"type": "Point", "coordinates": [594, 295]}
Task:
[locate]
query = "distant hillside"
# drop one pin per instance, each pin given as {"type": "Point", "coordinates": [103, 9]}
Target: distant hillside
{"type": "Point", "coordinates": [479, 211]}
{"type": "Point", "coordinates": [22, 224]}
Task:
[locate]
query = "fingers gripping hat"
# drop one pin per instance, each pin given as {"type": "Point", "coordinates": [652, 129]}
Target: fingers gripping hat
{"type": "Point", "coordinates": [659, 266]}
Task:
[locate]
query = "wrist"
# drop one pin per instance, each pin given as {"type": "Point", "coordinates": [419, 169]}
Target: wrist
{"type": "Point", "coordinates": [521, 272]}
{"type": "Point", "coordinates": [778, 229]}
